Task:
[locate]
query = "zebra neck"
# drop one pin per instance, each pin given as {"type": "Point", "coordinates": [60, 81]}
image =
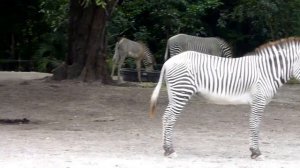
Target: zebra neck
{"type": "Point", "coordinates": [276, 67]}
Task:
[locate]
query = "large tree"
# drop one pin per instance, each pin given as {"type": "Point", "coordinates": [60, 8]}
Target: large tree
{"type": "Point", "coordinates": [86, 56]}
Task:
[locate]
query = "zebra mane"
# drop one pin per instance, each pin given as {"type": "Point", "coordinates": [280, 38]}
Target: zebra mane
{"type": "Point", "coordinates": [278, 42]}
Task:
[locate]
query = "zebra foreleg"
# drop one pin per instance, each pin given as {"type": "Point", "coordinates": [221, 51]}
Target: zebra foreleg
{"type": "Point", "coordinates": [113, 69]}
{"type": "Point", "coordinates": [120, 63]}
{"type": "Point", "coordinates": [138, 68]}
{"type": "Point", "coordinates": [257, 109]}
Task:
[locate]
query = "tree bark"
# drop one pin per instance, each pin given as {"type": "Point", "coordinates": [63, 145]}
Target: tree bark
{"type": "Point", "coordinates": [86, 58]}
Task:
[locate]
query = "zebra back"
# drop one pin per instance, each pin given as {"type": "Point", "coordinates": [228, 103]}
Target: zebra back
{"type": "Point", "coordinates": [209, 45]}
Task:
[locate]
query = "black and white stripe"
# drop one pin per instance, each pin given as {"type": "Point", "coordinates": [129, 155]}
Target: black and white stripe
{"type": "Point", "coordinates": [252, 79]}
{"type": "Point", "coordinates": [137, 50]}
{"type": "Point", "coordinates": [148, 60]}
{"type": "Point", "coordinates": [208, 45]}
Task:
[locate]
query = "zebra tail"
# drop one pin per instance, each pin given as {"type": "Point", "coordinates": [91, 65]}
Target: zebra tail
{"type": "Point", "coordinates": [155, 94]}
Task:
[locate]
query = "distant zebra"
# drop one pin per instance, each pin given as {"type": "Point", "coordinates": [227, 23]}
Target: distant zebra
{"type": "Point", "coordinates": [252, 79]}
{"type": "Point", "coordinates": [140, 52]}
{"type": "Point", "coordinates": [208, 45]}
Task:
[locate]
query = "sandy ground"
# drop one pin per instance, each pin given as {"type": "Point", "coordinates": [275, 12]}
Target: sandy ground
{"type": "Point", "coordinates": [80, 125]}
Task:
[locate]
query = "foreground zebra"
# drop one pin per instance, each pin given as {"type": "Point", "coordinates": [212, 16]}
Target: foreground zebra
{"type": "Point", "coordinates": [140, 52]}
{"type": "Point", "coordinates": [208, 45]}
{"type": "Point", "coordinates": [252, 79]}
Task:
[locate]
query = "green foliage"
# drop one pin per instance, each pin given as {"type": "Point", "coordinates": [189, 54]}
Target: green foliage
{"type": "Point", "coordinates": [51, 52]}
{"type": "Point", "coordinates": [34, 30]}
{"type": "Point", "coordinates": [169, 17]}
{"type": "Point", "coordinates": [37, 30]}
{"type": "Point", "coordinates": [270, 18]}
{"type": "Point", "coordinates": [253, 22]}
{"type": "Point", "coordinates": [86, 3]}
{"type": "Point", "coordinates": [55, 14]}
{"type": "Point", "coordinates": [245, 23]}
{"type": "Point", "coordinates": [51, 49]}
{"type": "Point", "coordinates": [109, 62]}
{"type": "Point", "coordinates": [154, 21]}
{"type": "Point", "coordinates": [20, 27]}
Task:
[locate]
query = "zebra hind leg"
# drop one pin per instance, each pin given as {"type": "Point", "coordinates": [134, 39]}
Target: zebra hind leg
{"type": "Point", "coordinates": [255, 153]}
{"type": "Point", "coordinates": [169, 118]}
{"type": "Point", "coordinates": [169, 152]}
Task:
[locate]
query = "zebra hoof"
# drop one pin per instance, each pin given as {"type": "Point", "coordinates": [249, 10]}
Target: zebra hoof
{"type": "Point", "coordinates": [172, 155]}
{"type": "Point", "coordinates": [260, 158]}
{"type": "Point", "coordinates": [255, 153]}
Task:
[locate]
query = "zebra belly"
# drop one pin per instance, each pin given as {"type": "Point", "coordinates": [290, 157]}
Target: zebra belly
{"type": "Point", "coordinates": [215, 98]}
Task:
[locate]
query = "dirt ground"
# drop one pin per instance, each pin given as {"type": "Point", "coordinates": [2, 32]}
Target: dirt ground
{"type": "Point", "coordinates": [86, 125]}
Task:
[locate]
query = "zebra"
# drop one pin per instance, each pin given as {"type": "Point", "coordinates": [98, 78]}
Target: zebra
{"type": "Point", "coordinates": [209, 45]}
{"type": "Point", "coordinates": [252, 79]}
{"type": "Point", "coordinates": [139, 51]}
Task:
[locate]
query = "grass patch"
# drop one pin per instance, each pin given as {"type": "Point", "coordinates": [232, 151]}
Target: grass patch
{"type": "Point", "coordinates": [293, 81]}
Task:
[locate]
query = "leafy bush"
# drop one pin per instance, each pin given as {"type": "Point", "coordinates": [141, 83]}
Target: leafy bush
{"type": "Point", "coordinates": [50, 53]}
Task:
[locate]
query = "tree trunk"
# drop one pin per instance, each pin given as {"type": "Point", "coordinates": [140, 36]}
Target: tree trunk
{"type": "Point", "coordinates": [86, 58]}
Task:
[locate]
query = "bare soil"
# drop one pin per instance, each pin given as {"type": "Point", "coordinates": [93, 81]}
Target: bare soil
{"type": "Point", "coordinates": [81, 125]}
